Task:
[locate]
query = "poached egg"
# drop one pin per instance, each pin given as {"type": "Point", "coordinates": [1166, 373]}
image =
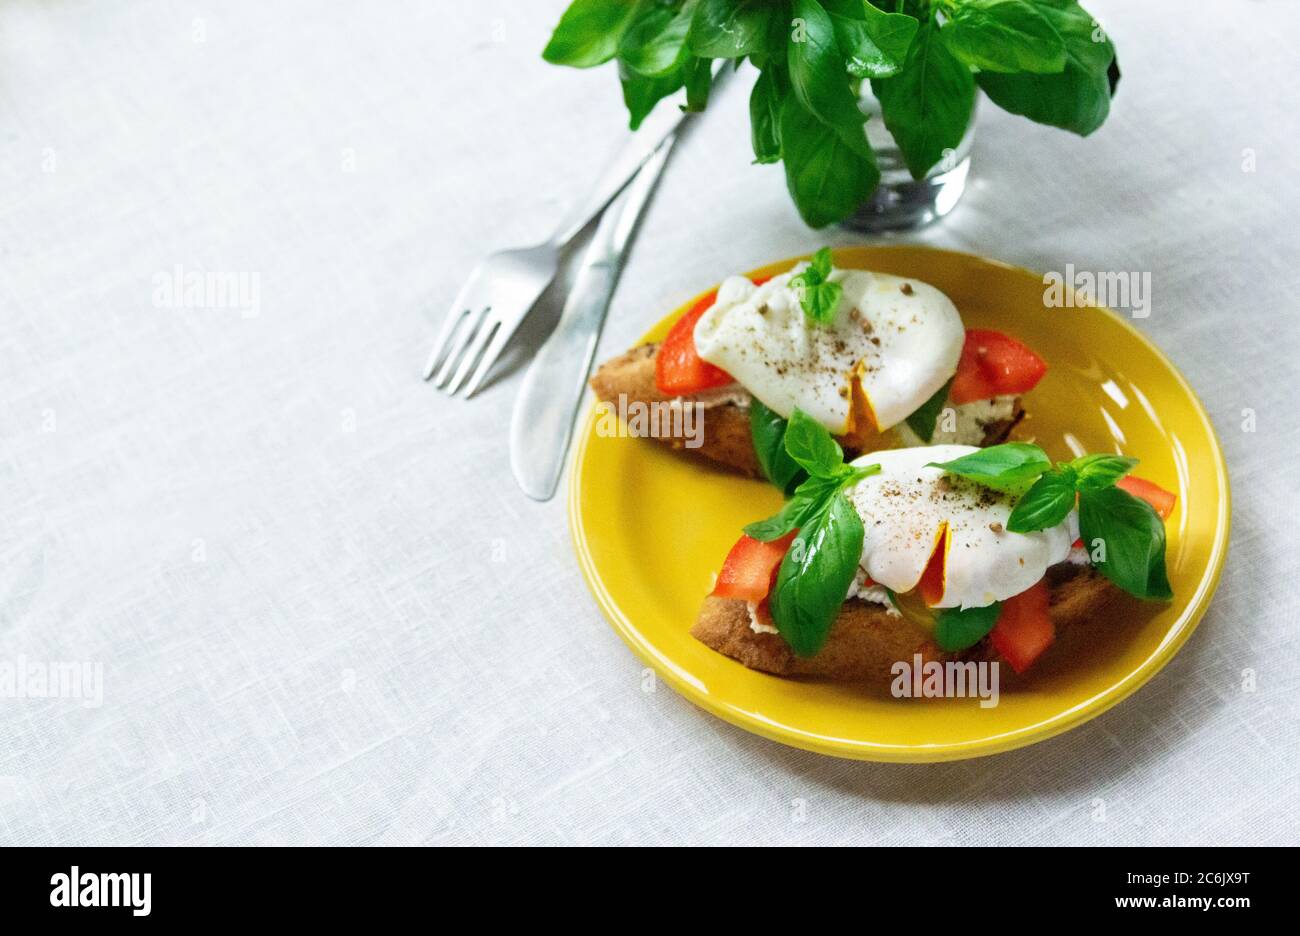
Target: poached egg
{"type": "Point", "coordinates": [909, 510]}
{"type": "Point", "coordinates": [898, 339]}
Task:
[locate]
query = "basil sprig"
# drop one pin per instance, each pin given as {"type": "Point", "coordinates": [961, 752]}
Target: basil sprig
{"type": "Point", "coordinates": [823, 559]}
{"type": "Point", "coordinates": [1123, 534]}
{"type": "Point", "coordinates": [818, 297]}
{"type": "Point", "coordinates": [1044, 59]}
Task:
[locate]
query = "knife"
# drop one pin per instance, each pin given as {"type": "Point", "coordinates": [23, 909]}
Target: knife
{"type": "Point", "coordinates": [555, 384]}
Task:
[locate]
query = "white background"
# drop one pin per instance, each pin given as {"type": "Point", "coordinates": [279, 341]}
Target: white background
{"type": "Point", "coordinates": [382, 640]}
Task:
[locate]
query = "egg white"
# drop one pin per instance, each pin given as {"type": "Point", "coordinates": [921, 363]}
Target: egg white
{"type": "Point", "coordinates": [902, 336]}
{"type": "Point", "coordinates": [905, 507]}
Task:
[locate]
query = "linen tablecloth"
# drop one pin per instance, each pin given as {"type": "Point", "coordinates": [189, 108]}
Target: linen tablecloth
{"type": "Point", "coordinates": [320, 610]}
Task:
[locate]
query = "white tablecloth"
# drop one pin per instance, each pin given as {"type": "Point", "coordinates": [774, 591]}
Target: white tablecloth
{"type": "Point", "coordinates": [322, 610]}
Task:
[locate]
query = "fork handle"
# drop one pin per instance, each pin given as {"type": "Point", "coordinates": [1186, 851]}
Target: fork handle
{"type": "Point", "coordinates": [662, 121]}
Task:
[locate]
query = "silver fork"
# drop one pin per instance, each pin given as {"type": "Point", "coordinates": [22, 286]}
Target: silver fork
{"type": "Point", "coordinates": [505, 285]}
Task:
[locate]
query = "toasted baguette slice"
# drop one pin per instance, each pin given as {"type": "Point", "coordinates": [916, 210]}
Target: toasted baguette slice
{"type": "Point", "coordinates": [726, 433]}
{"type": "Point", "coordinates": [866, 640]}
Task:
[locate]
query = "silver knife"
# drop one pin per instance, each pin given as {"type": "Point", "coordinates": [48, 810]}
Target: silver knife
{"type": "Point", "coordinates": [556, 381]}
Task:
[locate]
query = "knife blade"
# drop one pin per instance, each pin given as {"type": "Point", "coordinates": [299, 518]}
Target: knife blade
{"type": "Point", "coordinates": [541, 426]}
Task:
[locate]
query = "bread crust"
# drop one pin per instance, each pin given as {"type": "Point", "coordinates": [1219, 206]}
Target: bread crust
{"type": "Point", "coordinates": [726, 434]}
{"type": "Point", "coordinates": [866, 640]}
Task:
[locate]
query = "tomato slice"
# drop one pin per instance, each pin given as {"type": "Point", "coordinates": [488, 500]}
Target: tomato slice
{"type": "Point", "coordinates": [679, 369]}
{"type": "Point", "coordinates": [930, 587]}
{"type": "Point", "coordinates": [1024, 628]}
{"type": "Point", "coordinates": [1163, 501]}
{"type": "Point", "coordinates": [993, 364]}
{"type": "Point", "coordinates": [749, 568]}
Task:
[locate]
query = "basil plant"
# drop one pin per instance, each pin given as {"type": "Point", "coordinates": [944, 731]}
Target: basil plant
{"type": "Point", "coordinates": [1047, 60]}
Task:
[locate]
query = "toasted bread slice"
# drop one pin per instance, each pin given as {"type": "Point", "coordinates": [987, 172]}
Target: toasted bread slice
{"type": "Point", "coordinates": [726, 435]}
{"type": "Point", "coordinates": [866, 640]}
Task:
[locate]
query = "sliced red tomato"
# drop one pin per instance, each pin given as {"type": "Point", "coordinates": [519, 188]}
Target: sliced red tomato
{"type": "Point", "coordinates": [679, 369]}
{"type": "Point", "coordinates": [930, 587]}
{"type": "Point", "coordinates": [1024, 628]}
{"type": "Point", "coordinates": [1163, 501]}
{"type": "Point", "coordinates": [993, 364]}
{"type": "Point", "coordinates": [748, 570]}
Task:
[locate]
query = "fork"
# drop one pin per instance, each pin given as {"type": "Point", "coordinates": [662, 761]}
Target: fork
{"type": "Point", "coordinates": [505, 285]}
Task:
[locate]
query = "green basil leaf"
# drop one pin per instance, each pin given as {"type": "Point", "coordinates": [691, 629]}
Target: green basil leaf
{"type": "Point", "coordinates": [874, 43]}
{"type": "Point", "coordinates": [641, 94]}
{"type": "Point", "coordinates": [926, 417]}
{"type": "Point", "coordinates": [818, 300]}
{"type": "Point", "coordinates": [765, 117]}
{"type": "Point", "coordinates": [1079, 98]}
{"type": "Point", "coordinates": [655, 44]}
{"type": "Point", "coordinates": [818, 76]}
{"type": "Point", "coordinates": [589, 32]}
{"type": "Point", "coordinates": [1086, 43]}
{"type": "Point", "coordinates": [961, 628]}
{"type": "Point", "coordinates": [1133, 537]}
{"type": "Point", "coordinates": [927, 105]}
{"type": "Point", "coordinates": [812, 446]}
{"type": "Point", "coordinates": [732, 29]}
{"type": "Point", "coordinates": [815, 576]}
{"type": "Point", "coordinates": [827, 178]}
{"type": "Point", "coordinates": [822, 262]}
{"type": "Point", "coordinates": [1045, 504]}
{"type": "Point", "coordinates": [808, 501]}
{"type": "Point", "coordinates": [1098, 471]}
{"type": "Point", "coordinates": [1002, 467]}
{"type": "Point", "coordinates": [767, 427]}
{"type": "Point", "coordinates": [1074, 100]}
{"type": "Point", "coordinates": [698, 76]}
{"type": "Point", "coordinates": [1009, 36]}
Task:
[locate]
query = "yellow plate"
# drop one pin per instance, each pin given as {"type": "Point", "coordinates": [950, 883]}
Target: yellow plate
{"type": "Point", "coordinates": [651, 528]}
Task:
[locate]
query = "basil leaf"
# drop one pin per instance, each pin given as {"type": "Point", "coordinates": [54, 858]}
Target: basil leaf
{"type": "Point", "coordinates": [818, 300]}
{"type": "Point", "coordinates": [698, 76]}
{"type": "Point", "coordinates": [1133, 537]}
{"type": "Point", "coordinates": [926, 417]}
{"type": "Point", "coordinates": [960, 628]}
{"type": "Point", "coordinates": [1045, 504]}
{"type": "Point", "coordinates": [821, 263]}
{"type": "Point", "coordinates": [815, 576]}
{"type": "Point", "coordinates": [1002, 467]}
{"type": "Point", "coordinates": [1077, 99]}
{"type": "Point", "coordinates": [589, 32]}
{"type": "Point", "coordinates": [1099, 471]}
{"type": "Point", "coordinates": [1086, 45]}
{"type": "Point", "coordinates": [827, 178]}
{"type": "Point", "coordinates": [809, 500]}
{"type": "Point", "coordinates": [874, 43]}
{"type": "Point", "coordinates": [641, 94]}
{"type": "Point", "coordinates": [767, 427]}
{"type": "Point", "coordinates": [1004, 36]}
{"type": "Point", "coordinates": [765, 117]}
{"type": "Point", "coordinates": [655, 44]}
{"type": "Point", "coordinates": [818, 75]}
{"type": "Point", "coordinates": [927, 105]}
{"type": "Point", "coordinates": [733, 28]}
{"type": "Point", "coordinates": [810, 444]}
